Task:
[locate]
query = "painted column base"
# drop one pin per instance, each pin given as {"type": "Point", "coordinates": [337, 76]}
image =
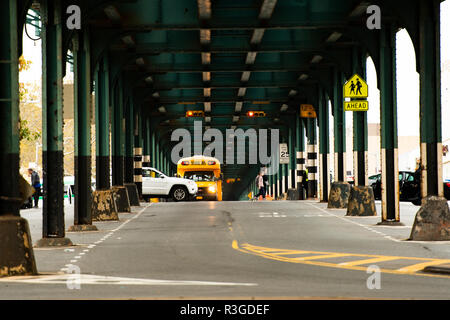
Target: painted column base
{"type": "Point", "coordinates": [432, 221]}
{"type": "Point", "coordinates": [339, 194]}
{"type": "Point", "coordinates": [53, 242]}
{"type": "Point", "coordinates": [103, 206]}
{"type": "Point", "coordinates": [361, 202]}
{"type": "Point", "coordinates": [391, 223]}
{"type": "Point", "coordinates": [16, 250]}
{"type": "Point", "coordinates": [82, 228]}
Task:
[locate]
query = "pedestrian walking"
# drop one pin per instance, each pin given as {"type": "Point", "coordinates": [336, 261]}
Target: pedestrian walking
{"type": "Point", "coordinates": [261, 185]}
{"type": "Point", "coordinates": [36, 184]}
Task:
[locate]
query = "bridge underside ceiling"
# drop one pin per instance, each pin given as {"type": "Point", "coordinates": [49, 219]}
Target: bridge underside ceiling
{"type": "Point", "coordinates": [228, 57]}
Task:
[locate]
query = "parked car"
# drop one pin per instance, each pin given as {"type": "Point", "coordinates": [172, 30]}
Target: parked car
{"type": "Point", "coordinates": [375, 183]}
{"type": "Point", "coordinates": [409, 187]}
{"type": "Point", "coordinates": [156, 184]}
{"type": "Point", "coordinates": [447, 189]}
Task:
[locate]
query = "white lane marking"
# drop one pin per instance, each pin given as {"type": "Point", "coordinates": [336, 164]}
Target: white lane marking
{"type": "Point", "coordinates": [354, 222]}
{"type": "Point", "coordinates": [104, 237]}
{"type": "Point", "coordinates": [106, 280]}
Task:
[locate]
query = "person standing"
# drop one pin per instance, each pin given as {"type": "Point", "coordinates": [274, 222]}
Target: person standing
{"type": "Point", "coordinates": [261, 186]}
{"type": "Point", "coordinates": [36, 184]}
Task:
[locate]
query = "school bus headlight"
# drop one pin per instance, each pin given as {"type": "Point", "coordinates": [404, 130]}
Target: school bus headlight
{"type": "Point", "coordinates": [212, 189]}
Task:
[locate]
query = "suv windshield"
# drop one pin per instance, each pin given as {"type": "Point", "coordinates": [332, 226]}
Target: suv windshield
{"type": "Point", "coordinates": [199, 175]}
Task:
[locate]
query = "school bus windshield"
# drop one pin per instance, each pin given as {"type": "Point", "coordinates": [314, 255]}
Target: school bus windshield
{"type": "Point", "coordinates": [199, 175]}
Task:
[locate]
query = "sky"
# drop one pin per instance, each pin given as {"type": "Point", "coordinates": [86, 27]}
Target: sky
{"type": "Point", "coordinates": [407, 79]}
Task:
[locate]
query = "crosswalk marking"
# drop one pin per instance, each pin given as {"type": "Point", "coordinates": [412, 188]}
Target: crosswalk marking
{"type": "Point", "coordinates": [317, 258]}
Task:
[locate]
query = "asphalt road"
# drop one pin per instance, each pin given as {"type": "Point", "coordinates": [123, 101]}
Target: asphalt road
{"type": "Point", "coordinates": [279, 249]}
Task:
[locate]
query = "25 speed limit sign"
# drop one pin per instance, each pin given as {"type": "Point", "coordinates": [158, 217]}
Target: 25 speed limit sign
{"type": "Point", "coordinates": [284, 153]}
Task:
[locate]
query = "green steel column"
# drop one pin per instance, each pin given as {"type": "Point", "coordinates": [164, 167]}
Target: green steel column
{"type": "Point", "coordinates": [82, 115]}
{"type": "Point", "coordinates": [277, 181]}
{"type": "Point", "coordinates": [430, 100]}
{"type": "Point", "coordinates": [138, 142]}
{"type": "Point", "coordinates": [324, 145]}
{"type": "Point", "coordinates": [291, 171]}
{"type": "Point", "coordinates": [16, 251]}
{"type": "Point", "coordinates": [389, 148]}
{"type": "Point", "coordinates": [339, 129]}
{"type": "Point", "coordinates": [164, 161]}
{"type": "Point", "coordinates": [129, 141]}
{"type": "Point", "coordinates": [52, 125]}
{"type": "Point", "coordinates": [272, 186]}
{"type": "Point", "coordinates": [312, 157]}
{"type": "Point", "coordinates": [102, 125]}
{"type": "Point", "coordinates": [300, 150]}
{"type": "Point", "coordinates": [282, 178]}
{"type": "Point", "coordinates": [9, 110]}
{"type": "Point", "coordinates": [118, 135]}
{"type": "Point", "coordinates": [153, 156]}
{"type": "Point", "coordinates": [147, 142]}
{"type": "Point", "coordinates": [360, 134]}
{"type": "Point", "coordinates": [276, 185]}
{"type": "Point", "coordinates": [157, 155]}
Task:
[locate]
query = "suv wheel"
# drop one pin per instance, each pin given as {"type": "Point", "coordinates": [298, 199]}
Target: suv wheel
{"type": "Point", "coordinates": [179, 194]}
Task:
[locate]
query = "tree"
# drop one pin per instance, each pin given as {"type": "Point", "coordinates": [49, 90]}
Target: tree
{"type": "Point", "coordinates": [25, 133]}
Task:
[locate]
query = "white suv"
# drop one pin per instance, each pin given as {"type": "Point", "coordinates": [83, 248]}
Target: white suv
{"type": "Point", "coordinates": [157, 185]}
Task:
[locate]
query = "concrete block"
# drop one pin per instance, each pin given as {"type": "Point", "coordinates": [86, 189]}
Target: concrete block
{"type": "Point", "coordinates": [361, 202]}
{"type": "Point", "coordinates": [103, 206]}
{"type": "Point", "coordinates": [16, 250]}
{"type": "Point", "coordinates": [133, 194]}
{"type": "Point", "coordinates": [432, 222]}
{"type": "Point", "coordinates": [121, 198]}
{"type": "Point", "coordinates": [339, 194]}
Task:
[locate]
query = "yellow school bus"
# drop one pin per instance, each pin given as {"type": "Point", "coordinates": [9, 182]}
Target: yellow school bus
{"type": "Point", "coordinates": [205, 171]}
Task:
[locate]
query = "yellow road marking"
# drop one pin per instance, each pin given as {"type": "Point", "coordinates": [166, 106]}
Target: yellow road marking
{"type": "Point", "coordinates": [278, 255]}
{"type": "Point", "coordinates": [368, 261]}
{"type": "Point", "coordinates": [285, 253]}
{"type": "Point", "coordinates": [421, 266]}
{"type": "Point", "coordinates": [323, 256]}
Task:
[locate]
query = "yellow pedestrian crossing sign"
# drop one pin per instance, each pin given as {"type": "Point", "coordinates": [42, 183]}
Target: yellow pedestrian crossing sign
{"type": "Point", "coordinates": [356, 87]}
{"type": "Point", "coordinates": [356, 105]}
